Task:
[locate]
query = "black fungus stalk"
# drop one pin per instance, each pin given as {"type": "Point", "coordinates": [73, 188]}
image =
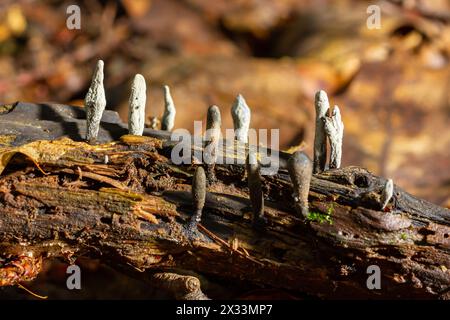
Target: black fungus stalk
{"type": "Point", "coordinates": [198, 197]}
{"type": "Point", "coordinates": [300, 169]}
{"type": "Point", "coordinates": [387, 193]}
{"type": "Point", "coordinates": [255, 188]}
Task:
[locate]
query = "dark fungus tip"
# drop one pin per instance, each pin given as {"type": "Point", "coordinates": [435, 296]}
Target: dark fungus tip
{"type": "Point", "coordinates": [213, 118]}
{"type": "Point", "coordinates": [299, 158]}
{"type": "Point", "coordinates": [300, 169]}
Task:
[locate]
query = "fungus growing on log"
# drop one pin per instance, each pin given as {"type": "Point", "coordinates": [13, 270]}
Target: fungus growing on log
{"type": "Point", "coordinates": [241, 114]}
{"type": "Point", "coordinates": [334, 129]}
{"type": "Point", "coordinates": [387, 193]}
{"type": "Point", "coordinates": [136, 109]}
{"type": "Point", "coordinates": [255, 187]}
{"type": "Point", "coordinates": [168, 118]}
{"type": "Point", "coordinates": [198, 197]}
{"type": "Point", "coordinates": [320, 139]}
{"type": "Point", "coordinates": [213, 129]}
{"type": "Point", "coordinates": [300, 171]}
{"type": "Point", "coordinates": [95, 103]}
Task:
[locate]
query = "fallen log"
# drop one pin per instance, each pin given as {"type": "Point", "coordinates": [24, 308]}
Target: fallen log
{"type": "Point", "coordinates": [125, 202]}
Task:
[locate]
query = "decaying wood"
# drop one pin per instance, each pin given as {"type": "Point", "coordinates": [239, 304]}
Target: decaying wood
{"type": "Point", "coordinates": [126, 203]}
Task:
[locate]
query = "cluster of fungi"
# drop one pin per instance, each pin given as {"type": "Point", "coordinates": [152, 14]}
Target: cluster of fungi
{"type": "Point", "coordinates": [300, 167]}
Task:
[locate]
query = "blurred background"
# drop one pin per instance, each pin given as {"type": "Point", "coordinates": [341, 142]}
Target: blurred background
{"type": "Point", "coordinates": [391, 83]}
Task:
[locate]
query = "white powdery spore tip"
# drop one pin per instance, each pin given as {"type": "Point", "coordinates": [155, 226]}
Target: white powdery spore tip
{"type": "Point", "coordinates": [334, 128]}
{"type": "Point", "coordinates": [136, 111]}
{"type": "Point", "coordinates": [241, 115]}
{"type": "Point", "coordinates": [95, 103]}
{"type": "Point", "coordinates": [320, 140]}
{"type": "Point", "coordinates": [387, 193]}
{"type": "Point", "coordinates": [168, 118]}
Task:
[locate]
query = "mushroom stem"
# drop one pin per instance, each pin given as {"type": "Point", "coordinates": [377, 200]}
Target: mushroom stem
{"type": "Point", "coordinates": [334, 129]}
{"type": "Point", "coordinates": [168, 118]}
{"type": "Point", "coordinates": [300, 170]}
{"type": "Point", "coordinates": [241, 114]}
{"type": "Point", "coordinates": [136, 109]}
{"type": "Point", "coordinates": [95, 103]}
{"type": "Point", "coordinates": [320, 140]}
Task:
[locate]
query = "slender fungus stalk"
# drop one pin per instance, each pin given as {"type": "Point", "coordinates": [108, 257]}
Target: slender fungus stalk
{"type": "Point", "coordinates": [320, 140]}
{"type": "Point", "coordinates": [95, 103]}
{"type": "Point", "coordinates": [387, 193]}
{"type": "Point", "coordinates": [168, 118]}
{"type": "Point", "coordinates": [334, 128]}
{"type": "Point", "coordinates": [241, 118]}
{"type": "Point", "coordinates": [300, 170]}
{"type": "Point", "coordinates": [198, 197]}
{"type": "Point", "coordinates": [136, 111]}
{"type": "Point", "coordinates": [213, 123]}
{"type": "Point", "coordinates": [255, 187]}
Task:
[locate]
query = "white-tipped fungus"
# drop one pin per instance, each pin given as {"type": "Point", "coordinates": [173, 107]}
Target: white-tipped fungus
{"type": "Point", "coordinates": [136, 111]}
{"type": "Point", "coordinates": [387, 193]}
{"type": "Point", "coordinates": [334, 128]}
{"type": "Point", "coordinates": [320, 139]}
{"type": "Point", "coordinates": [95, 103]}
{"type": "Point", "coordinates": [168, 118]}
{"type": "Point", "coordinates": [241, 115]}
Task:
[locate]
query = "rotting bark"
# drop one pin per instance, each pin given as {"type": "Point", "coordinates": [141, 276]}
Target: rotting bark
{"type": "Point", "coordinates": [125, 202]}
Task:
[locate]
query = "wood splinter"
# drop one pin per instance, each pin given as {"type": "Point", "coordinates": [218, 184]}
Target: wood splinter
{"type": "Point", "coordinates": [136, 110]}
{"type": "Point", "coordinates": [198, 197]}
{"type": "Point", "coordinates": [255, 188]}
{"type": "Point", "coordinates": [300, 170]}
{"type": "Point", "coordinates": [320, 139]}
{"type": "Point", "coordinates": [95, 103]}
{"type": "Point", "coordinates": [334, 129]}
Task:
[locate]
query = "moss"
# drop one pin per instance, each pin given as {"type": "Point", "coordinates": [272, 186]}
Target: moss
{"type": "Point", "coordinates": [321, 217]}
